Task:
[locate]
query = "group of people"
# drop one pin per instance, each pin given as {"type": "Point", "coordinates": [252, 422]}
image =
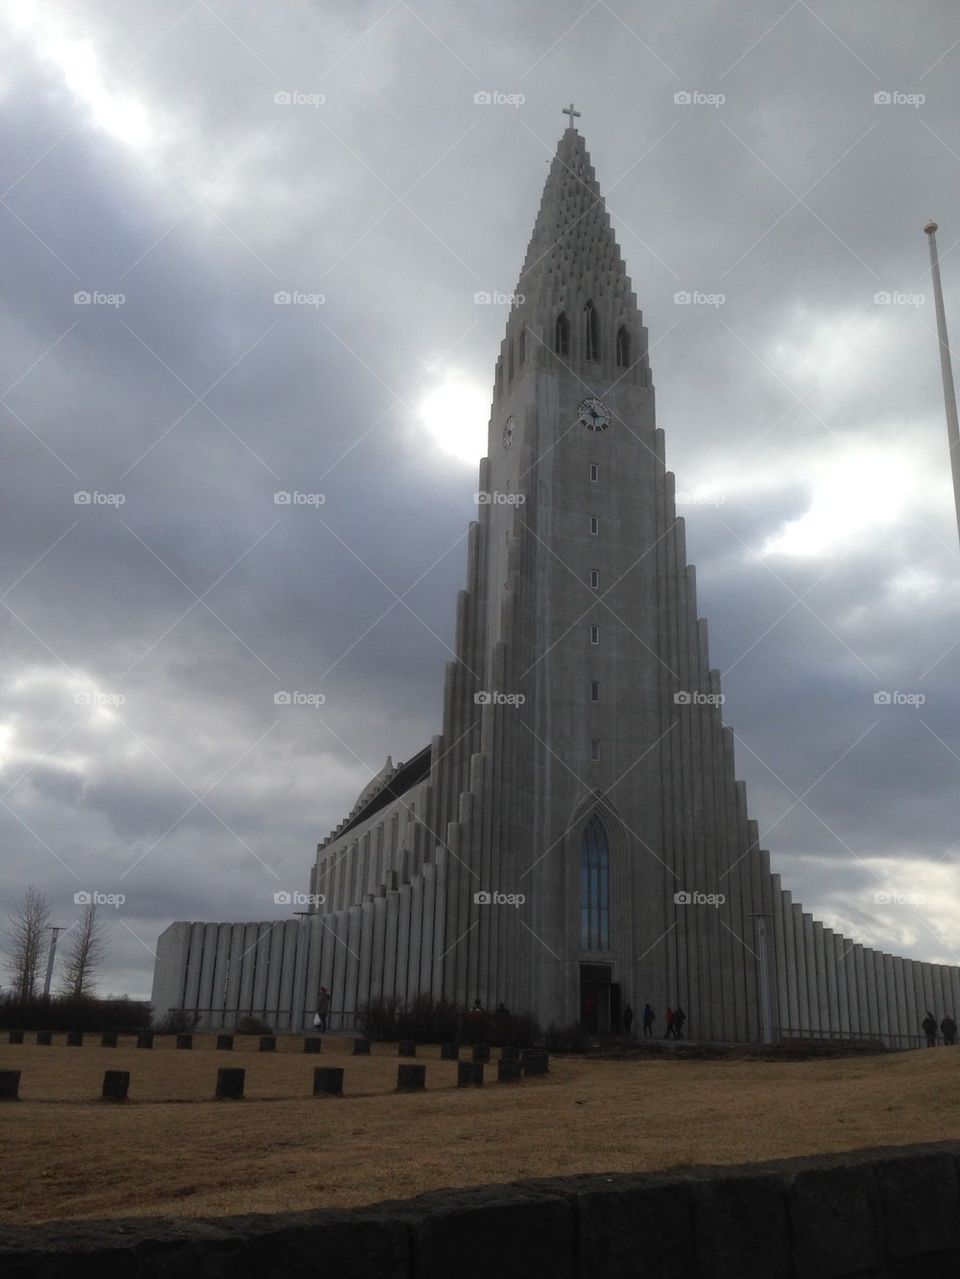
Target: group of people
{"type": "Point", "coordinates": [948, 1028]}
{"type": "Point", "coordinates": [675, 1020]}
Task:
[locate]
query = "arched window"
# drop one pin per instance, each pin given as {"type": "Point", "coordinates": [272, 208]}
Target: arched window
{"type": "Point", "coordinates": [591, 332]}
{"type": "Point", "coordinates": [594, 886]}
{"type": "Point", "coordinates": [623, 347]}
{"type": "Point", "coordinates": [561, 343]}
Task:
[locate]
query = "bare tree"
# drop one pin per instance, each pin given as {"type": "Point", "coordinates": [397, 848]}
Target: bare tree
{"type": "Point", "coordinates": [25, 942]}
{"type": "Point", "coordinates": [85, 954]}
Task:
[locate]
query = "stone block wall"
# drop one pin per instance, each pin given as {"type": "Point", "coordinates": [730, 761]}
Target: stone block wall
{"type": "Point", "coordinates": [874, 1214]}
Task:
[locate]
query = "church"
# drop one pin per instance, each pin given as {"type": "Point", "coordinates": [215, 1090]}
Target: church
{"type": "Point", "coordinates": [575, 838]}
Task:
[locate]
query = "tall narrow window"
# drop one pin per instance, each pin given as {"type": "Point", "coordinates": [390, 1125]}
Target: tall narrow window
{"type": "Point", "coordinates": [591, 332]}
{"type": "Point", "coordinates": [498, 376]}
{"type": "Point", "coordinates": [594, 524]}
{"type": "Point", "coordinates": [595, 750]}
{"type": "Point", "coordinates": [623, 347]}
{"type": "Point", "coordinates": [594, 472]}
{"type": "Point", "coordinates": [595, 690]}
{"type": "Point", "coordinates": [594, 579]}
{"type": "Point", "coordinates": [509, 360]}
{"type": "Point", "coordinates": [594, 885]}
{"type": "Point", "coordinates": [594, 634]}
{"type": "Point", "coordinates": [522, 345]}
{"type": "Point", "coordinates": [561, 343]}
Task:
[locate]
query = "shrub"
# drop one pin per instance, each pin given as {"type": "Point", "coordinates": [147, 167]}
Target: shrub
{"type": "Point", "coordinates": [177, 1022]}
{"type": "Point", "coordinates": [125, 1016]}
{"type": "Point", "coordinates": [253, 1026]}
{"type": "Point", "coordinates": [566, 1039]}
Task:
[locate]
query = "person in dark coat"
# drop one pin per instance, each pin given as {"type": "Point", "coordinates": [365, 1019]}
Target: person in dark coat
{"type": "Point", "coordinates": [929, 1025]}
{"type": "Point", "coordinates": [627, 1020]}
{"type": "Point", "coordinates": [323, 1009]}
{"type": "Point", "coordinates": [671, 1031]}
{"type": "Point", "coordinates": [679, 1017]}
{"type": "Point", "coordinates": [648, 1016]}
{"type": "Point", "coordinates": [949, 1028]}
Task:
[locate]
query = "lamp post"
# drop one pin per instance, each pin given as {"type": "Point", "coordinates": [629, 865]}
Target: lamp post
{"type": "Point", "coordinates": [946, 369]}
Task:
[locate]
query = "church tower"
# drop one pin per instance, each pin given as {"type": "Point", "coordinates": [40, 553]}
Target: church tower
{"type": "Point", "coordinates": [575, 838]}
{"type": "Point", "coordinates": [583, 764]}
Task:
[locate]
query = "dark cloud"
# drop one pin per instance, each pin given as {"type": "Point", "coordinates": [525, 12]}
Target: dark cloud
{"type": "Point", "coordinates": [803, 418]}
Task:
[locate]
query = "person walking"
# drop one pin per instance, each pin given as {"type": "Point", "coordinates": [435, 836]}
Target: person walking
{"type": "Point", "coordinates": [323, 1009]}
{"type": "Point", "coordinates": [679, 1017]}
{"type": "Point", "coordinates": [949, 1028]}
{"type": "Point", "coordinates": [627, 1020]}
{"type": "Point", "coordinates": [648, 1016]}
{"type": "Point", "coordinates": [670, 1032]}
{"type": "Point", "coordinates": [929, 1025]}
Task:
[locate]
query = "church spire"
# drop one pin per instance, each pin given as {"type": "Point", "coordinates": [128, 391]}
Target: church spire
{"type": "Point", "coordinates": [573, 254]}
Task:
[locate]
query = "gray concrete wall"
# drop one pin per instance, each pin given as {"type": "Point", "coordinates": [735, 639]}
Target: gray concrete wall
{"type": "Point", "coordinates": [874, 1214]}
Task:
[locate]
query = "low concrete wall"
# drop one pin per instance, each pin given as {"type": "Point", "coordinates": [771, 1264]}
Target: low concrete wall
{"type": "Point", "coordinates": [875, 1214]}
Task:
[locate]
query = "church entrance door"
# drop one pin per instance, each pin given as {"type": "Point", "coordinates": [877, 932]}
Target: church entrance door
{"type": "Point", "coordinates": [595, 998]}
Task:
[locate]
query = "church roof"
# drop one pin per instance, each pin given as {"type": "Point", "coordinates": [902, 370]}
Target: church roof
{"type": "Point", "coordinates": [389, 784]}
{"type": "Point", "coordinates": [573, 248]}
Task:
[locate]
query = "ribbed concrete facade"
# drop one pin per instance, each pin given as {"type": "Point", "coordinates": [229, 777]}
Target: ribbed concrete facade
{"type": "Point", "coordinates": [583, 765]}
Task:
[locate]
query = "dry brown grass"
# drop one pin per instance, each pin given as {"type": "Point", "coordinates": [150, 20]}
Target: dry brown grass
{"type": "Point", "coordinates": [173, 1151]}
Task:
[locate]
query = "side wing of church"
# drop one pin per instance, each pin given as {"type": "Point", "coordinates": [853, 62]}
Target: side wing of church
{"type": "Point", "coordinates": [575, 839]}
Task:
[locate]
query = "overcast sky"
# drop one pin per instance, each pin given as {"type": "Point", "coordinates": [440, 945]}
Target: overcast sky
{"type": "Point", "coordinates": [181, 163]}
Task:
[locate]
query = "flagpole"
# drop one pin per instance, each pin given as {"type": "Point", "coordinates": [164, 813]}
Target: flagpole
{"type": "Point", "coordinates": [949, 395]}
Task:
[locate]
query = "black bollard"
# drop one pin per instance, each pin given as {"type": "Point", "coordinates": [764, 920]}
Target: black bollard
{"type": "Point", "coordinates": [74, 1038]}
{"type": "Point", "coordinates": [145, 1039]}
{"type": "Point", "coordinates": [9, 1085]}
{"type": "Point", "coordinates": [116, 1083]}
{"type": "Point", "coordinates": [44, 1036]}
{"type": "Point", "coordinates": [508, 1071]}
{"type": "Point", "coordinates": [15, 1037]}
{"type": "Point", "coordinates": [449, 1052]}
{"type": "Point", "coordinates": [230, 1082]}
{"type": "Point", "coordinates": [268, 1043]}
{"type": "Point", "coordinates": [108, 1039]}
{"type": "Point", "coordinates": [184, 1041]}
{"type": "Point", "coordinates": [469, 1074]}
{"type": "Point", "coordinates": [406, 1048]}
{"type": "Point", "coordinates": [328, 1081]}
{"type": "Point", "coordinates": [481, 1052]}
{"type": "Point", "coordinates": [411, 1078]}
{"type": "Point", "coordinates": [361, 1048]}
{"type": "Point", "coordinates": [312, 1045]}
{"type": "Point", "coordinates": [225, 1043]}
{"type": "Point", "coordinates": [510, 1052]}
{"type": "Point", "coordinates": [535, 1062]}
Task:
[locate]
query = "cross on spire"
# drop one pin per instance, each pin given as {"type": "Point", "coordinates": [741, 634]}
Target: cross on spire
{"type": "Point", "coordinates": [571, 113]}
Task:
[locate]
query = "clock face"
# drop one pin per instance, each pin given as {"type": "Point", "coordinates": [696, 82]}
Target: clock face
{"type": "Point", "coordinates": [594, 414]}
{"type": "Point", "coordinates": [508, 429]}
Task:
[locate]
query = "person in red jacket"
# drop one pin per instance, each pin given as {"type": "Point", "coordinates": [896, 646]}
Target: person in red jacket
{"type": "Point", "coordinates": [671, 1029]}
